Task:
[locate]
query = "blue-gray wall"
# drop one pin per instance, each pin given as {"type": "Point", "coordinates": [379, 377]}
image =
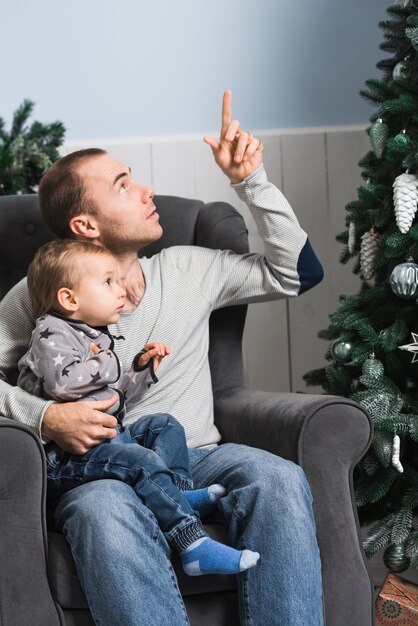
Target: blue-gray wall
{"type": "Point", "coordinates": [129, 68]}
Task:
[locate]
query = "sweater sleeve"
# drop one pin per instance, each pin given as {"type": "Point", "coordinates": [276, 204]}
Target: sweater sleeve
{"type": "Point", "coordinates": [287, 268]}
{"type": "Point", "coordinates": [16, 326]}
{"type": "Point", "coordinates": [135, 382]}
{"type": "Point", "coordinates": [288, 253]}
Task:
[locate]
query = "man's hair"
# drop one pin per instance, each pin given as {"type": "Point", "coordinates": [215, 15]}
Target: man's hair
{"type": "Point", "coordinates": [62, 192]}
{"type": "Point", "coordinates": [57, 264]}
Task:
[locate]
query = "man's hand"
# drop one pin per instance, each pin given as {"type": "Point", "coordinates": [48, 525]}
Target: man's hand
{"type": "Point", "coordinates": [78, 426]}
{"type": "Point", "coordinates": [237, 152]}
{"type": "Point", "coordinates": [157, 351]}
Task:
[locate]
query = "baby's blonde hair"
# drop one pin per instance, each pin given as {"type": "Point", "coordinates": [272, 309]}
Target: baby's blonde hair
{"type": "Point", "coordinates": [57, 264]}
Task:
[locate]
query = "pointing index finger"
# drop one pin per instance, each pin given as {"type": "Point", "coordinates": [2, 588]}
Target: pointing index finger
{"type": "Point", "coordinates": [226, 111]}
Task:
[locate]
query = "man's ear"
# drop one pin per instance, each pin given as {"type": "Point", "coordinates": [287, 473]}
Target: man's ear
{"type": "Point", "coordinates": [84, 226]}
{"type": "Point", "coordinates": [67, 300]}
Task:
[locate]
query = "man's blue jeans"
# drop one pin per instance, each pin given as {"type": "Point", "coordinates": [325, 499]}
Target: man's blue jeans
{"type": "Point", "coordinates": [151, 456]}
{"type": "Point", "coordinates": [123, 559]}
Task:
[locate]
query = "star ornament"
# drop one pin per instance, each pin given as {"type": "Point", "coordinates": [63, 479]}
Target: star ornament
{"type": "Point", "coordinates": [412, 347]}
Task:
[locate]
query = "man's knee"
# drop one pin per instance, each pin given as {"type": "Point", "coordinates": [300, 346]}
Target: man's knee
{"type": "Point", "coordinates": [85, 504]}
{"type": "Point", "coordinates": [269, 475]}
{"type": "Point", "coordinates": [155, 422]}
{"type": "Point", "coordinates": [263, 465]}
{"type": "Point", "coordinates": [160, 421]}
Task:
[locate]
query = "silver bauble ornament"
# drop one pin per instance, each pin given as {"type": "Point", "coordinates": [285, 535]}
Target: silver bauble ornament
{"type": "Point", "coordinates": [341, 350]}
{"type": "Point", "coordinates": [401, 138]}
{"type": "Point", "coordinates": [382, 446]}
{"type": "Point", "coordinates": [404, 280]}
{"type": "Point", "coordinates": [373, 369]}
{"type": "Point", "coordinates": [395, 558]}
{"type": "Point", "coordinates": [378, 133]}
{"type": "Point", "coordinates": [401, 70]}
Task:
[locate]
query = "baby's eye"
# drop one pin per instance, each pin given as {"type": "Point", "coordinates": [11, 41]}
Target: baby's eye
{"type": "Point", "coordinates": [108, 281]}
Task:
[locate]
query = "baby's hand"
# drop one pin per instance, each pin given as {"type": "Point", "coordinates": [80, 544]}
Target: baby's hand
{"type": "Point", "coordinates": [156, 351]}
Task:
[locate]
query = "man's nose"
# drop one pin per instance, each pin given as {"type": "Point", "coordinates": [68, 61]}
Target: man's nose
{"type": "Point", "coordinates": [147, 193]}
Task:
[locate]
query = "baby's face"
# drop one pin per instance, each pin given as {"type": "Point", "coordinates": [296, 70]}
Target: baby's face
{"type": "Point", "coordinates": [101, 298]}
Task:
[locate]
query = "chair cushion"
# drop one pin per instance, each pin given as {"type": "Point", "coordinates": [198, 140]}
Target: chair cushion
{"type": "Point", "coordinates": [69, 594]}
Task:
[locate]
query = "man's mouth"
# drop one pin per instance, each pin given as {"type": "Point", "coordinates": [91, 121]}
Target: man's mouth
{"type": "Point", "coordinates": [153, 213]}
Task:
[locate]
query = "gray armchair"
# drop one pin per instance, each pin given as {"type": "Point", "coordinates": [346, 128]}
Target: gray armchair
{"type": "Point", "coordinates": [326, 435]}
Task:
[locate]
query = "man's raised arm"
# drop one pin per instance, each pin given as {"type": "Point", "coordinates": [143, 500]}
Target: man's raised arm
{"type": "Point", "coordinates": [289, 265]}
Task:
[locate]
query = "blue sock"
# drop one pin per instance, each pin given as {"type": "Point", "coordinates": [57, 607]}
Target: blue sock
{"type": "Point", "coordinates": [206, 556]}
{"type": "Point", "coordinates": [205, 501]}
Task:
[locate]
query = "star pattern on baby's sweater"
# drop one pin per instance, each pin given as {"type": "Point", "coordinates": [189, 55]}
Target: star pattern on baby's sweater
{"type": "Point", "coordinates": [33, 364]}
{"type": "Point", "coordinates": [58, 359]}
{"type": "Point", "coordinates": [59, 390]}
{"type": "Point", "coordinates": [65, 372]}
{"type": "Point", "coordinates": [45, 334]}
{"type": "Point", "coordinates": [95, 377]}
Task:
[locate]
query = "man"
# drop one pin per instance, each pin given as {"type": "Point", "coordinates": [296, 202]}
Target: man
{"type": "Point", "coordinates": [121, 556]}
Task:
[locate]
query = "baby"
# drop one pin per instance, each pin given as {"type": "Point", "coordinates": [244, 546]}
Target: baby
{"type": "Point", "coordinates": [75, 294]}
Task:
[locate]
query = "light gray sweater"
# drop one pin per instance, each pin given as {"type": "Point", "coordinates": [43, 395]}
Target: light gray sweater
{"type": "Point", "coordinates": [183, 285]}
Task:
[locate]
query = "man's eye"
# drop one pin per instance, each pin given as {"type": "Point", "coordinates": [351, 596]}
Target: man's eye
{"type": "Point", "coordinates": [123, 188]}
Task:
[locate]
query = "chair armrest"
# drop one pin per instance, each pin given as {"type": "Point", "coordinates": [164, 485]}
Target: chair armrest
{"type": "Point", "coordinates": [327, 436]}
{"type": "Point", "coordinates": [25, 596]}
{"type": "Point", "coordinates": [283, 423]}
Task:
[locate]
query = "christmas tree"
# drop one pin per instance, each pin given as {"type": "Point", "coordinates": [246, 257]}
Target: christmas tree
{"type": "Point", "coordinates": [26, 152]}
{"type": "Point", "coordinates": [373, 335]}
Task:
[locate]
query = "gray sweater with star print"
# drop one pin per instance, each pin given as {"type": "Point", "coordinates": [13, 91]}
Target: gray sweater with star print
{"type": "Point", "coordinates": [60, 365]}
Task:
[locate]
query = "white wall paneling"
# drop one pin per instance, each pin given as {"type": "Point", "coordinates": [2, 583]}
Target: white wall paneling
{"type": "Point", "coordinates": [318, 172]}
{"type": "Point", "coordinates": [304, 185]}
{"type": "Point", "coordinates": [344, 150]}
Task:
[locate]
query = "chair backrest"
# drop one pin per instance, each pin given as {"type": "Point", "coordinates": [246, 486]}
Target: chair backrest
{"type": "Point", "coordinates": [214, 225]}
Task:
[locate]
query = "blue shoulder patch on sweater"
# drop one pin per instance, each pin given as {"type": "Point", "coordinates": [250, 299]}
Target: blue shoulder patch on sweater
{"type": "Point", "coordinates": [309, 268]}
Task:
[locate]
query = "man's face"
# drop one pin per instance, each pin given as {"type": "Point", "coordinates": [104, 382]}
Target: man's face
{"type": "Point", "coordinates": [126, 216]}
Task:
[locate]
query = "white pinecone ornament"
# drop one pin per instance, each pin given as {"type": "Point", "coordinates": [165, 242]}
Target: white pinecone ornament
{"type": "Point", "coordinates": [368, 248]}
{"type": "Point", "coordinates": [351, 238]}
{"type": "Point", "coordinates": [405, 198]}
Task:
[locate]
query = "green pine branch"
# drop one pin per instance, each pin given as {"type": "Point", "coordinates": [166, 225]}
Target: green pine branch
{"type": "Point", "coordinates": [26, 152]}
